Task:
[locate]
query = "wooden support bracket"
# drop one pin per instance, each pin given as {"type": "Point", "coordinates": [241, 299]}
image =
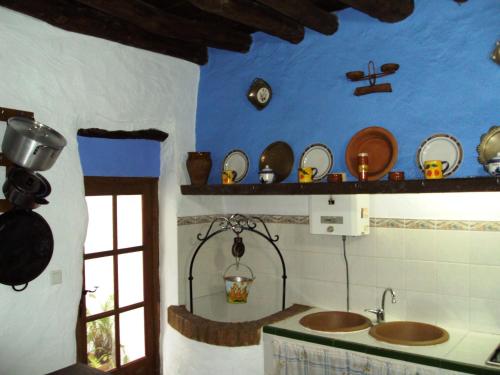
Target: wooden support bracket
{"type": "Point", "coordinates": [6, 113]}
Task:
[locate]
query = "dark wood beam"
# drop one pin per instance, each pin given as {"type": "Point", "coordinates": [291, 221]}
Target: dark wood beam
{"type": "Point", "coordinates": [306, 14]}
{"type": "Point", "coordinates": [150, 134]}
{"type": "Point", "coordinates": [157, 22]}
{"type": "Point", "coordinates": [253, 15]}
{"type": "Point", "coordinates": [329, 5]}
{"type": "Point", "coordinates": [384, 10]}
{"type": "Point", "coordinates": [70, 16]}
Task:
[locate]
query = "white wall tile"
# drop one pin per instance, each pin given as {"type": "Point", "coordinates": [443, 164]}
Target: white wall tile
{"type": "Point", "coordinates": [485, 282]}
{"type": "Point", "coordinates": [453, 246]}
{"type": "Point", "coordinates": [420, 244]}
{"type": "Point", "coordinates": [485, 315]}
{"type": "Point", "coordinates": [391, 273]}
{"type": "Point", "coordinates": [362, 245]}
{"type": "Point", "coordinates": [422, 307]}
{"type": "Point", "coordinates": [453, 311]}
{"type": "Point", "coordinates": [362, 270]}
{"type": "Point", "coordinates": [421, 276]}
{"type": "Point", "coordinates": [390, 243]}
{"type": "Point", "coordinates": [428, 269]}
{"type": "Point", "coordinates": [362, 297]}
{"type": "Point", "coordinates": [453, 279]}
{"type": "Point", "coordinates": [485, 248]}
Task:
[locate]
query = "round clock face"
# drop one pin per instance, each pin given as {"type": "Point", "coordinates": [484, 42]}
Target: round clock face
{"type": "Point", "coordinates": [263, 95]}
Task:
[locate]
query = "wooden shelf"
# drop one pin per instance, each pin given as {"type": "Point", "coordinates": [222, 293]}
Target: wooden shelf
{"type": "Point", "coordinates": [450, 185]}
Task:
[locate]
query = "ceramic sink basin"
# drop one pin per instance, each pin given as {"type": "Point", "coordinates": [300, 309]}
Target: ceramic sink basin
{"type": "Point", "coordinates": [409, 333]}
{"type": "Point", "coordinates": [335, 321]}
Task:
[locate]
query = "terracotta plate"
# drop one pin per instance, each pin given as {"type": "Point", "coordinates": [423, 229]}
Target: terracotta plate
{"type": "Point", "coordinates": [381, 147]}
{"type": "Point", "coordinates": [279, 157]}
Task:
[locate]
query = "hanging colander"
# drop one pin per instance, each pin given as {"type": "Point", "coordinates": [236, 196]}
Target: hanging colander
{"type": "Point", "coordinates": [237, 287]}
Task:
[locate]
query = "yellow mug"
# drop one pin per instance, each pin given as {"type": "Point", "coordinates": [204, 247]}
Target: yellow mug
{"type": "Point", "coordinates": [307, 174]}
{"type": "Point", "coordinates": [228, 177]}
{"type": "Point", "coordinates": [434, 169]}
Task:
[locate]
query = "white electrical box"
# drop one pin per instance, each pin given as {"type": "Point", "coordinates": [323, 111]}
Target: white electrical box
{"type": "Point", "coordinates": [341, 215]}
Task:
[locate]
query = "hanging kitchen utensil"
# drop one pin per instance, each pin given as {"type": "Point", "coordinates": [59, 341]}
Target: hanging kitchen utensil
{"type": "Point", "coordinates": [31, 144]}
{"type": "Point", "coordinates": [26, 247]}
{"type": "Point", "coordinates": [26, 189]}
{"type": "Point", "coordinates": [238, 287]}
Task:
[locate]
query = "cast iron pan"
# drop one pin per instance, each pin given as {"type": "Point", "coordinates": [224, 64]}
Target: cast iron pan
{"type": "Point", "coordinates": [26, 246]}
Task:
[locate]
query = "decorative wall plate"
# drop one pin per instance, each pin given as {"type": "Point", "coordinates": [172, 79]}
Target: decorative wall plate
{"type": "Point", "coordinates": [489, 145]}
{"type": "Point", "coordinates": [381, 147]}
{"type": "Point", "coordinates": [279, 157]}
{"type": "Point", "coordinates": [260, 93]}
{"type": "Point", "coordinates": [442, 147]}
{"type": "Point", "coordinates": [236, 160]}
{"type": "Point", "coordinates": [317, 156]}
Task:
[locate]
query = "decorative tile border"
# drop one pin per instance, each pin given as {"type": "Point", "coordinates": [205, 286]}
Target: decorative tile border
{"type": "Point", "coordinates": [478, 226]}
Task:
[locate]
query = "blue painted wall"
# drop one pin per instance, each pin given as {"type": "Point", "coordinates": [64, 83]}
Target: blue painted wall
{"type": "Point", "coordinates": [119, 157]}
{"type": "Point", "coordinates": [446, 84]}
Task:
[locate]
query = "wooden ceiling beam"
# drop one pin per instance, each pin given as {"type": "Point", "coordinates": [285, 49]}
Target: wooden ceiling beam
{"type": "Point", "coordinates": [158, 22]}
{"type": "Point", "coordinates": [384, 10]}
{"type": "Point", "coordinates": [255, 16]}
{"type": "Point", "coordinates": [69, 16]}
{"type": "Point", "coordinates": [306, 14]}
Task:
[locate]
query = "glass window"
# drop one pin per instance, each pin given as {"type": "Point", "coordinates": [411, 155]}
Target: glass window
{"type": "Point", "coordinates": [130, 278]}
{"type": "Point", "coordinates": [132, 344]}
{"type": "Point", "coordinates": [100, 227]}
{"type": "Point", "coordinates": [101, 352]}
{"type": "Point", "coordinates": [129, 211]}
{"type": "Point", "coordinates": [99, 277]}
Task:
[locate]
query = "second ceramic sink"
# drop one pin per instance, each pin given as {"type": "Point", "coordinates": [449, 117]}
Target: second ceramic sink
{"type": "Point", "coordinates": [335, 321]}
{"type": "Point", "coordinates": [409, 333]}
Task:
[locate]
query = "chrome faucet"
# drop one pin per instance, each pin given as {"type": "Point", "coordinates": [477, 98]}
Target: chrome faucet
{"type": "Point", "coordinates": [380, 312]}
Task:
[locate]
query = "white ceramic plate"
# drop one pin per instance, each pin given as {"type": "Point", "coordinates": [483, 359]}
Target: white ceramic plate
{"type": "Point", "coordinates": [237, 161]}
{"type": "Point", "coordinates": [318, 156]}
{"type": "Point", "coordinates": [441, 147]}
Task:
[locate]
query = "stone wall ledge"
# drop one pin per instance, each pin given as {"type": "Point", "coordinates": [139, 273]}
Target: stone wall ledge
{"type": "Point", "coordinates": [221, 333]}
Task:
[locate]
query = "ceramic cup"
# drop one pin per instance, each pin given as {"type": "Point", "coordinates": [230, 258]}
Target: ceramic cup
{"type": "Point", "coordinates": [434, 169]}
{"type": "Point", "coordinates": [396, 176]}
{"type": "Point", "coordinates": [266, 175]}
{"type": "Point", "coordinates": [307, 174]}
{"type": "Point", "coordinates": [228, 177]}
{"type": "Point", "coordinates": [494, 165]}
{"type": "Point", "coordinates": [335, 177]}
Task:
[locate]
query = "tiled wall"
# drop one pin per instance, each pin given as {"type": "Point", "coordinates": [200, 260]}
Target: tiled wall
{"type": "Point", "coordinates": [444, 272]}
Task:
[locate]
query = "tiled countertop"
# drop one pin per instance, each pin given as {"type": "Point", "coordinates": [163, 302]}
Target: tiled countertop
{"type": "Point", "coordinates": [464, 351]}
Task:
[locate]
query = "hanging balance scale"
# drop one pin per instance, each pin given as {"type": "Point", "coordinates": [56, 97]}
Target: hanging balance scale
{"type": "Point", "coordinates": [238, 286]}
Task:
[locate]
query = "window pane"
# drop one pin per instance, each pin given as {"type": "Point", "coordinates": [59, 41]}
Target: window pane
{"type": "Point", "coordinates": [132, 335]}
{"type": "Point", "coordinates": [101, 343]}
{"type": "Point", "coordinates": [100, 228]}
{"type": "Point", "coordinates": [129, 211]}
{"type": "Point", "coordinates": [130, 278]}
{"type": "Point", "coordinates": [99, 273]}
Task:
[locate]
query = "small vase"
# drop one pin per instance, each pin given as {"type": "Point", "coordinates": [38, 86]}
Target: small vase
{"type": "Point", "coordinates": [199, 165]}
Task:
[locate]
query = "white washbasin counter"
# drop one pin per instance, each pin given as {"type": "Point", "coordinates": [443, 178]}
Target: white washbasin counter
{"type": "Point", "coordinates": [464, 351]}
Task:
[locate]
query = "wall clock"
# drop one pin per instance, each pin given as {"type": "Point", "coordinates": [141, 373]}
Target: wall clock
{"type": "Point", "coordinates": [260, 93]}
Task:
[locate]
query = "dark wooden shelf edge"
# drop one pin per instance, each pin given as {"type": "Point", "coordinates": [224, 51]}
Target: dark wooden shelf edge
{"type": "Point", "coordinates": [451, 185]}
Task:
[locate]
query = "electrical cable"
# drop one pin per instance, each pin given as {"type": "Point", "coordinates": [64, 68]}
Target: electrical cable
{"type": "Point", "coordinates": [346, 270]}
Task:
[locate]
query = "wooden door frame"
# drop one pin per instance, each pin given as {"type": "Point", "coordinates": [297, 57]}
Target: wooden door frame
{"type": "Point", "coordinates": [129, 185]}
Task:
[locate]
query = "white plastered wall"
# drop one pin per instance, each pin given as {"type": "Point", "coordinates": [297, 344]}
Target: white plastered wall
{"type": "Point", "coordinates": [72, 81]}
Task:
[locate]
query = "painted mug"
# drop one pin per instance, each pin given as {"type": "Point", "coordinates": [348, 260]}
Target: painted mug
{"type": "Point", "coordinates": [434, 169]}
{"type": "Point", "coordinates": [307, 174]}
{"type": "Point", "coordinates": [228, 177]}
